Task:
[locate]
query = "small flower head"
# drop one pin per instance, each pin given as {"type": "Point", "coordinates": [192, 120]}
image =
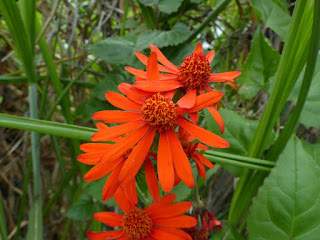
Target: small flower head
{"type": "Point", "coordinates": [136, 223]}
{"type": "Point", "coordinates": [159, 112]}
{"type": "Point", "coordinates": [159, 221]}
{"type": "Point", "coordinates": [194, 72]}
{"type": "Point", "coordinates": [206, 222]}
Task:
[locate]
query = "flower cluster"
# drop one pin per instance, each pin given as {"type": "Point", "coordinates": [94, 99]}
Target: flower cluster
{"type": "Point", "coordinates": [157, 132]}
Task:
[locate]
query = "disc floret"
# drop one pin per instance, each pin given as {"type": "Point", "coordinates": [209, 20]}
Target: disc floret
{"type": "Point", "coordinates": [136, 224]}
{"type": "Point", "coordinates": [159, 112]}
{"type": "Point", "coordinates": [194, 71]}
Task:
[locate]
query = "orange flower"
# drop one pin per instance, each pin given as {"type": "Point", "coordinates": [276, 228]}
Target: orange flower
{"type": "Point", "coordinates": [92, 155]}
{"type": "Point", "coordinates": [142, 120]}
{"type": "Point", "coordinates": [158, 221]}
{"type": "Point", "coordinates": [193, 75]}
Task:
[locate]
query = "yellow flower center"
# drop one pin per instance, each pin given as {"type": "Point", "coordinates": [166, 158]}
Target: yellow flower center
{"type": "Point", "coordinates": [194, 71]}
{"type": "Point", "coordinates": [136, 224]}
{"type": "Point", "coordinates": [159, 112]}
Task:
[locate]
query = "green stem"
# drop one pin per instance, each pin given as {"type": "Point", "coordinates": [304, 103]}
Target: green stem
{"type": "Point", "coordinates": [23, 79]}
{"type": "Point", "coordinates": [23, 198]}
{"type": "Point", "coordinates": [124, 17]}
{"type": "Point", "coordinates": [237, 163]}
{"type": "Point", "coordinates": [46, 127]}
{"type": "Point", "coordinates": [3, 225]}
{"type": "Point", "coordinates": [197, 203]}
{"type": "Point", "coordinates": [240, 158]}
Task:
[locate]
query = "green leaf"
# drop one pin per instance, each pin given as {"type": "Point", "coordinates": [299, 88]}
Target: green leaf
{"type": "Point", "coordinates": [115, 50]}
{"type": "Point", "coordinates": [238, 132]}
{"type": "Point", "coordinates": [93, 105]}
{"type": "Point", "coordinates": [169, 6]}
{"type": "Point", "coordinates": [121, 50]}
{"type": "Point", "coordinates": [197, 1]}
{"type": "Point", "coordinates": [177, 35]}
{"type": "Point", "coordinates": [109, 83]}
{"type": "Point", "coordinates": [311, 110]}
{"type": "Point", "coordinates": [83, 208]}
{"type": "Point", "coordinates": [274, 15]}
{"type": "Point", "coordinates": [288, 204]}
{"type": "Point", "coordinates": [227, 233]}
{"type": "Point", "coordinates": [260, 66]}
{"type": "Point", "coordinates": [182, 191]}
{"type": "Point", "coordinates": [148, 2]}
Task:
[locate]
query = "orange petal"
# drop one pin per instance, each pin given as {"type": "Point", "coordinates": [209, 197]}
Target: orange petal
{"type": "Point", "coordinates": [116, 131]}
{"type": "Point", "coordinates": [169, 94]}
{"type": "Point", "coordinates": [143, 59]}
{"type": "Point", "coordinates": [204, 100]}
{"type": "Point", "coordinates": [112, 184]}
{"type": "Point", "coordinates": [194, 117]}
{"type": "Point", "coordinates": [121, 199]}
{"type": "Point", "coordinates": [130, 191]}
{"type": "Point", "coordinates": [124, 145]}
{"type": "Point", "coordinates": [122, 102]}
{"type": "Point", "coordinates": [204, 160]}
{"type": "Point", "coordinates": [100, 171]}
{"type": "Point", "coordinates": [217, 117]}
{"type": "Point", "coordinates": [115, 116]}
{"type": "Point", "coordinates": [91, 158]}
{"type": "Point", "coordinates": [210, 56]}
{"type": "Point", "coordinates": [165, 164]}
{"type": "Point", "coordinates": [137, 72]}
{"type": "Point", "coordinates": [152, 68]}
{"type": "Point", "coordinates": [112, 219]}
{"type": "Point", "coordinates": [163, 59]}
{"type": "Point", "coordinates": [182, 221]}
{"type": "Point", "coordinates": [158, 86]}
{"type": "Point", "coordinates": [136, 158]}
{"type": "Point", "coordinates": [200, 167]}
{"type": "Point", "coordinates": [226, 77]}
{"type": "Point", "coordinates": [101, 126]}
{"type": "Point", "coordinates": [133, 93]}
{"type": "Point", "coordinates": [202, 147]}
{"type": "Point", "coordinates": [168, 76]}
{"type": "Point", "coordinates": [180, 160]}
{"type": "Point", "coordinates": [202, 135]}
{"type": "Point", "coordinates": [160, 233]}
{"type": "Point", "coordinates": [95, 147]}
{"type": "Point", "coordinates": [104, 235]}
{"type": "Point", "coordinates": [152, 180]}
{"type": "Point", "coordinates": [198, 48]}
{"type": "Point", "coordinates": [188, 100]}
{"type": "Point", "coordinates": [164, 201]}
{"type": "Point", "coordinates": [177, 179]}
{"type": "Point", "coordinates": [172, 210]}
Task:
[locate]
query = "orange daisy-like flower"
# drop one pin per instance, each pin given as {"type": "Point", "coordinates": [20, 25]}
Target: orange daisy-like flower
{"type": "Point", "coordinates": [142, 120]}
{"type": "Point", "coordinates": [193, 75]}
{"type": "Point", "coordinates": [159, 221]}
{"type": "Point", "coordinates": [92, 155]}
